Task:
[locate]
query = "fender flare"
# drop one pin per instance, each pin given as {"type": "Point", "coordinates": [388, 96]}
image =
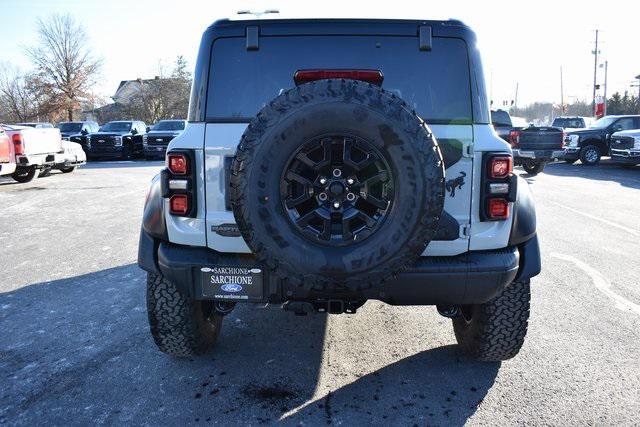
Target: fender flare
{"type": "Point", "coordinates": [153, 229]}
{"type": "Point", "coordinates": [523, 227]}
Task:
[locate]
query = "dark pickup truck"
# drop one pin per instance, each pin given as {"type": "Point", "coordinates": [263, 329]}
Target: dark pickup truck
{"type": "Point", "coordinates": [589, 145]}
{"type": "Point", "coordinates": [533, 147]}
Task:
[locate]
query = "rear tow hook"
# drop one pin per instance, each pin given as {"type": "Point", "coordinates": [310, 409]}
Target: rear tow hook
{"type": "Point", "coordinates": [450, 311]}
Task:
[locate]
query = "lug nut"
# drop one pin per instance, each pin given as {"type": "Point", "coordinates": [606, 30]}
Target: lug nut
{"type": "Point", "coordinates": [336, 205]}
{"type": "Point", "coordinates": [322, 196]}
{"type": "Point", "coordinates": [350, 181]}
{"type": "Point", "coordinates": [351, 197]}
{"type": "Point", "coordinates": [337, 172]}
{"type": "Point", "coordinates": [323, 181]}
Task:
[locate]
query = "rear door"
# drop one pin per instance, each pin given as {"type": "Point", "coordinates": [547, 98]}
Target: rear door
{"type": "Point", "coordinates": [436, 84]}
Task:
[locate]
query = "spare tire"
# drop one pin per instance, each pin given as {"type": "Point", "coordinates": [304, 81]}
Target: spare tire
{"type": "Point", "coordinates": [337, 183]}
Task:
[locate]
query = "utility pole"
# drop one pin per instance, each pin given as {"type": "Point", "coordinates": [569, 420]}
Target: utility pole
{"type": "Point", "coordinates": [606, 66]}
{"type": "Point", "coordinates": [561, 93]}
{"type": "Point", "coordinates": [595, 73]}
{"type": "Point", "coordinates": [515, 99]}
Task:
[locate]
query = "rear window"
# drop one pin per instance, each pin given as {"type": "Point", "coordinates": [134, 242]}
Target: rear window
{"type": "Point", "coordinates": [568, 123]}
{"type": "Point", "coordinates": [500, 118]}
{"type": "Point", "coordinates": [436, 83]}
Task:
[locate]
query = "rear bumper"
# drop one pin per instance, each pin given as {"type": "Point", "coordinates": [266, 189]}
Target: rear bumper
{"type": "Point", "coordinates": [38, 160]}
{"type": "Point", "coordinates": [470, 278]}
{"type": "Point", "coordinates": [537, 154]}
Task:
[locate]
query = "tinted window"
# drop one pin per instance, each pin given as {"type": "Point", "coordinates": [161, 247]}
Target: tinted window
{"type": "Point", "coordinates": [436, 83]}
{"type": "Point", "coordinates": [565, 122]}
{"type": "Point", "coordinates": [169, 125]}
{"type": "Point", "coordinates": [117, 126]}
{"type": "Point", "coordinates": [70, 127]}
{"type": "Point", "coordinates": [626, 123]}
{"type": "Point", "coordinates": [500, 118]}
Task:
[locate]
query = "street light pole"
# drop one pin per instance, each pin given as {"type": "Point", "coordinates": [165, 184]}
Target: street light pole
{"type": "Point", "coordinates": [606, 66]}
{"type": "Point", "coordinates": [595, 73]}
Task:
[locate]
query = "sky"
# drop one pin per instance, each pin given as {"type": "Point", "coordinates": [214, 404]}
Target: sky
{"type": "Point", "coordinates": [520, 46]}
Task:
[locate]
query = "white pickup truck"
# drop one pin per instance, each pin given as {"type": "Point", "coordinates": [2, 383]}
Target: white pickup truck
{"type": "Point", "coordinates": [32, 151]}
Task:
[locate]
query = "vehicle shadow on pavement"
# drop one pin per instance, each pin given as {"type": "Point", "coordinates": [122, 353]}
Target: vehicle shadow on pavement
{"type": "Point", "coordinates": [436, 386]}
{"type": "Point", "coordinates": [78, 351]}
{"type": "Point", "coordinates": [606, 170]}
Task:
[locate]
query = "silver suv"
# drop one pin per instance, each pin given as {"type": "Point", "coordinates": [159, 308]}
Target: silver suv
{"type": "Point", "coordinates": [329, 162]}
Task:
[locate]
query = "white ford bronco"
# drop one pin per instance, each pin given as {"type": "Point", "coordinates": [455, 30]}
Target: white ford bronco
{"type": "Point", "coordinates": [331, 162]}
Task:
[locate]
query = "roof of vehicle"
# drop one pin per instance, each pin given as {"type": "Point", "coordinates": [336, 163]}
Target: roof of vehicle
{"type": "Point", "coordinates": [172, 120]}
{"type": "Point", "coordinates": [306, 26]}
{"type": "Point", "coordinates": [621, 115]}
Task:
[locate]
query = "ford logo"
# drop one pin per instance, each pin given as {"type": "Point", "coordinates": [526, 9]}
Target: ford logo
{"type": "Point", "coordinates": [231, 287]}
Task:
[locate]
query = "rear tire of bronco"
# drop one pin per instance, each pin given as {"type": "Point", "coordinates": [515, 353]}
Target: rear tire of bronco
{"type": "Point", "coordinates": [532, 167]}
{"type": "Point", "coordinates": [495, 330]}
{"type": "Point", "coordinates": [24, 174]}
{"type": "Point", "coordinates": [337, 185]}
{"type": "Point", "coordinates": [180, 326]}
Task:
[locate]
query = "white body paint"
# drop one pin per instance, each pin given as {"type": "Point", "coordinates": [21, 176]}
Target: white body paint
{"type": "Point", "coordinates": [215, 141]}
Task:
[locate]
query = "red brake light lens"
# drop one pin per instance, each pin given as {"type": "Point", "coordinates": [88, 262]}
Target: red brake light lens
{"type": "Point", "coordinates": [17, 143]}
{"type": "Point", "coordinates": [179, 204]}
{"type": "Point", "coordinates": [178, 164]}
{"type": "Point", "coordinates": [514, 138]}
{"type": "Point", "coordinates": [498, 208]}
{"type": "Point", "coordinates": [305, 76]}
{"type": "Point", "coordinates": [500, 167]}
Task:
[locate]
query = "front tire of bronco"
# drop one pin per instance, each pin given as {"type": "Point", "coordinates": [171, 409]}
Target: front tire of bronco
{"type": "Point", "coordinates": [495, 331]}
{"type": "Point", "coordinates": [180, 326]}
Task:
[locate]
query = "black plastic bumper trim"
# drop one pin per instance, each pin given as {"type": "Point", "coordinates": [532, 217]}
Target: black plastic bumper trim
{"type": "Point", "coordinates": [470, 278]}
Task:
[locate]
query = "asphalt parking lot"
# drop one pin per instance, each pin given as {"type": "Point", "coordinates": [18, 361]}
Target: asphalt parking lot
{"type": "Point", "coordinates": [75, 347]}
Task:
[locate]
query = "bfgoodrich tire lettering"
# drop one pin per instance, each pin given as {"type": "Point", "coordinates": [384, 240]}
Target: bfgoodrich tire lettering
{"type": "Point", "coordinates": [495, 330]}
{"type": "Point", "coordinates": [180, 326]}
{"type": "Point", "coordinates": [344, 107]}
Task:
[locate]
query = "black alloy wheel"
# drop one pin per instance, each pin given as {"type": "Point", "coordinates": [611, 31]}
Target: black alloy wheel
{"type": "Point", "coordinates": [337, 189]}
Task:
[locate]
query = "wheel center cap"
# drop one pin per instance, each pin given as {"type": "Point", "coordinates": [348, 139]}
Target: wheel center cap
{"type": "Point", "coordinates": [336, 188]}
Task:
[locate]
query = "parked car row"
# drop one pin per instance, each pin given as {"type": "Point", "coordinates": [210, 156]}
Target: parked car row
{"type": "Point", "coordinates": [29, 151]}
{"type": "Point", "coordinates": [122, 139]}
{"type": "Point", "coordinates": [570, 139]}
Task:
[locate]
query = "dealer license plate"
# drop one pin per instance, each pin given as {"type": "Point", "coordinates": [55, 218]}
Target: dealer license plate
{"type": "Point", "coordinates": [232, 283]}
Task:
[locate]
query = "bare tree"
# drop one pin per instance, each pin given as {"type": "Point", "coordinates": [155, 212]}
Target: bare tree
{"type": "Point", "coordinates": [24, 97]}
{"type": "Point", "coordinates": [64, 61]}
{"type": "Point", "coordinates": [164, 97]}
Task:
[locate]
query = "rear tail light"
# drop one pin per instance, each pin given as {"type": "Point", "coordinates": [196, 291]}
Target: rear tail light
{"type": "Point", "coordinates": [305, 76]}
{"type": "Point", "coordinates": [514, 138]}
{"type": "Point", "coordinates": [179, 204]}
{"type": "Point", "coordinates": [498, 187]}
{"type": "Point", "coordinates": [178, 164]}
{"type": "Point", "coordinates": [498, 208]}
{"type": "Point", "coordinates": [500, 167]}
{"type": "Point", "coordinates": [17, 143]}
{"type": "Point", "coordinates": [178, 182]}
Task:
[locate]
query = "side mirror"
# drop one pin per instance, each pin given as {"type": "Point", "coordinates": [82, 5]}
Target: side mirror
{"type": "Point", "coordinates": [84, 131]}
{"type": "Point", "coordinates": [134, 131]}
{"type": "Point", "coordinates": [148, 128]}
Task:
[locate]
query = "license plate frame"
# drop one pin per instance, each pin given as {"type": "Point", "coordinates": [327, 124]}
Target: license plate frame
{"type": "Point", "coordinates": [232, 283]}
